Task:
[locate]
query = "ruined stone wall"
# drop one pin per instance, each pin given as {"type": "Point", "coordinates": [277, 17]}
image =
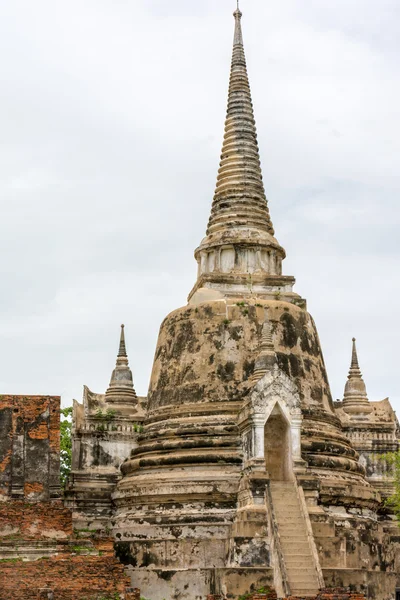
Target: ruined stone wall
{"type": "Point", "coordinates": [103, 435]}
{"type": "Point", "coordinates": [20, 520]}
{"type": "Point", "coordinates": [41, 556]}
{"type": "Point", "coordinates": [39, 550]}
{"type": "Point", "coordinates": [347, 543]}
{"type": "Point", "coordinates": [373, 435]}
{"type": "Point", "coordinates": [29, 447]}
{"type": "Point", "coordinates": [71, 574]}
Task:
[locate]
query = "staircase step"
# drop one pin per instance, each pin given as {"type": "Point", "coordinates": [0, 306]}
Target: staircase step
{"type": "Point", "coordinates": [296, 549]}
{"type": "Point", "coordinates": [293, 533]}
{"type": "Point", "coordinates": [298, 573]}
{"type": "Point", "coordinates": [290, 541]}
{"type": "Point", "coordinates": [297, 563]}
{"type": "Point", "coordinates": [300, 543]}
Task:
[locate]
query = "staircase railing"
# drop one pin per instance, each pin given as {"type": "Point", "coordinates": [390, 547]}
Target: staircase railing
{"type": "Point", "coordinates": [273, 524]}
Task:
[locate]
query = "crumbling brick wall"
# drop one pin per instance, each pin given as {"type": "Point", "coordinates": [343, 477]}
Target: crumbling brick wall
{"type": "Point", "coordinates": [67, 576]}
{"type": "Point", "coordinates": [41, 556]}
{"type": "Point", "coordinates": [34, 521]}
{"type": "Point", "coordinates": [30, 447]}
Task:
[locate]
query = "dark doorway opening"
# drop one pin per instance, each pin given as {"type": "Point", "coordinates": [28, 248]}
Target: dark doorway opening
{"type": "Point", "coordinates": [277, 449]}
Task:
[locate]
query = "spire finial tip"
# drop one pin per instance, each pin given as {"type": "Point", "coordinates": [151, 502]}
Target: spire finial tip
{"type": "Point", "coordinates": [237, 13]}
{"type": "Point", "coordinates": [122, 347]}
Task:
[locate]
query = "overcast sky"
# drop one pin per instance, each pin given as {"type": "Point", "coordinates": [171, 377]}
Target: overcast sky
{"type": "Point", "coordinates": [112, 115]}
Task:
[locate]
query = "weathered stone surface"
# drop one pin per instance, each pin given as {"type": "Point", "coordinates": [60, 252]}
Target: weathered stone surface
{"type": "Point", "coordinates": [238, 474]}
{"type": "Point", "coordinates": [105, 429]}
{"type": "Point", "coordinates": [239, 399]}
{"type": "Point", "coordinates": [29, 447]}
{"type": "Point", "coordinates": [372, 428]}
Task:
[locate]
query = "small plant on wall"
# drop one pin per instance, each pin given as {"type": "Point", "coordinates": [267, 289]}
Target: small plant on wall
{"type": "Point", "coordinates": [65, 444]}
{"type": "Point", "coordinates": [392, 459]}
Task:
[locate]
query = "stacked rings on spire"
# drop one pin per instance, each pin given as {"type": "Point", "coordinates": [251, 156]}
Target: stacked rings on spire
{"type": "Point", "coordinates": [239, 198]}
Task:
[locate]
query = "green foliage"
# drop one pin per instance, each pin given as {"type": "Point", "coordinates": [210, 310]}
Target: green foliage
{"type": "Point", "coordinates": [108, 415]}
{"type": "Point", "coordinates": [244, 307]}
{"type": "Point", "coordinates": [85, 533]}
{"type": "Point", "coordinates": [10, 560]}
{"type": "Point", "coordinates": [263, 590]}
{"type": "Point", "coordinates": [79, 549]}
{"type": "Point", "coordinates": [65, 444]}
{"type": "Point", "coordinates": [392, 459]}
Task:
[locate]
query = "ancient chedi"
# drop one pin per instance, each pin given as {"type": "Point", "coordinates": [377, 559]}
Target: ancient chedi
{"type": "Point", "coordinates": [105, 429]}
{"type": "Point", "coordinates": [372, 428]}
{"type": "Point", "coordinates": [246, 474]}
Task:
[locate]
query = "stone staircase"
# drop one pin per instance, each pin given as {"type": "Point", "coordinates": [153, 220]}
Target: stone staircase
{"type": "Point", "coordinates": [297, 553]}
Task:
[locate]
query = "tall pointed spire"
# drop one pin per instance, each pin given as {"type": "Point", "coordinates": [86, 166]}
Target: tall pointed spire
{"type": "Point", "coordinates": [122, 347]}
{"type": "Point", "coordinates": [121, 390]}
{"type": "Point", "coordinates": [240, 251]}
{"type": "Point", "coordinates": [239, 198]}
{"type": "Point", "coordinates": [354, 358]}
{"type": "Point", "coordinates": [355, 398]}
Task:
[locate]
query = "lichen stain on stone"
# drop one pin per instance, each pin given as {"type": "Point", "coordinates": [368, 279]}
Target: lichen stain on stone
{"type": "Point", "coordinates": [248, 368]}
{"type": "Point", "coordinates": [226, 372]}
{"type": "Point", "coordinates": [225, 349]}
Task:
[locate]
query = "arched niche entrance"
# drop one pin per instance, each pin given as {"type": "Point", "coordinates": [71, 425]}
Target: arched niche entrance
{"type": "Point", "coordinates": [277, 446]}
{"type": "Point", "coordinates": [270, 425]}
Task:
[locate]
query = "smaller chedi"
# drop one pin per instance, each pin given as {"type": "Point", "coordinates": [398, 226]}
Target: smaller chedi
{"type": "Point", "coordinates": [372, 427]}
{"type": "Point", "coordinates": [105, 429]}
